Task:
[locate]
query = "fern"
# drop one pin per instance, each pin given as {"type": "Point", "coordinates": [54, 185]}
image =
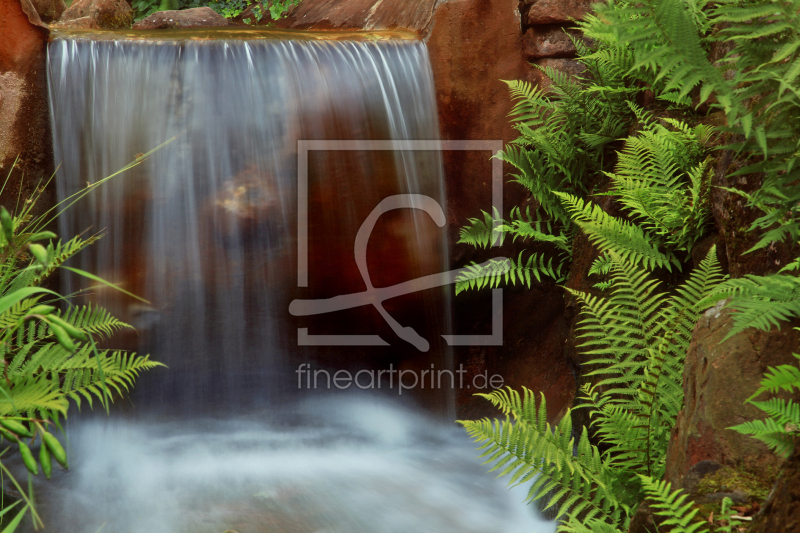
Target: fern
{"type": "Point", "coordinates": [661, 180]}
{"type": "Point", "coordinates": [49, 357]}
{"type": "Point", "coordinates": [638, 338]}
{"type": "Point", "coordinates": [760, 301]}
{"type": "Point", "coordinates": [571, 475]}
{"type": "Point", "coordinates": [482, 233]}
{"type": "Point", "coordinates": [780, 428]}
{"type": "Point", "coordinates": [627, 240]}
{"type": "Point", "coordinates": [673, 506]}
{"type": "Point", "coordinates": [494, 272]}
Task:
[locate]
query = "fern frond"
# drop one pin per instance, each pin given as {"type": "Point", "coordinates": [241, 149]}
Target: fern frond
{"type": "Point", "coordinates": [612, 234]}
{"type": "Point", "coordinates": [494, 272]}
{"type": "Point", "coordinates": [760, 301]}
{"type": "Point", "coordinates": [483, 233]}
{"type": "Point", "coordinates": [673, 505]}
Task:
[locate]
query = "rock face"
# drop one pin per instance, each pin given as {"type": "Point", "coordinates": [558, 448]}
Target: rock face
{"type": "Point", "coordinates": [197, 17]}
{"type": "Point", "coordinates": [49, 10]}
{"type": "Point", "coordinates": [110, 14]}
{"type": "Point", "coordinates": [24, 113]}
{"type": "Point", "coordinates": [549, 41]}
{"type": "Point", "coordinates": [718, 378]}
{"type": "Point", "coordinates": [781, 511]}
{"type": "Point", "coordinates": [413, 15]}
{"type": "Point", "coordinates": [556, 11]}
{"type": "Point", "coordinates": [732, 218]}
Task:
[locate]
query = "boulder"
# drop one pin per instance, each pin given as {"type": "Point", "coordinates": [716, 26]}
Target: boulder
{"type": "Point", "coordinates": [25, 138]}
{"type": "Point", "coordinates": [198, 17]}
{"type": "Point", "coordinates": [109, 14]}
{"type": "Point", "coordinates": [49, 10]}
{"type": "Point", "coordinates": [718, 377]}
{"type": "Point", "coordinates": [556, 11]}
{"type": "Point", "coordinates": [549, 41]}
{"type": "Point", "coordinates": [83, 23]}
{"type": "Point", "coordinates": [77, 9]}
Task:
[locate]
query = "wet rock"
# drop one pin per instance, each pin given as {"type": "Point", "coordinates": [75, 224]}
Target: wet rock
{"type": "Point", "coordinates": [556, 11]}
{"type": "Point", "coordinates": [49, 10]}
{"type": "Point", "coordinates": [83, 23]}
{"type": "Point", "coordinates": [109, 14]}
{"type": "Point", "coordinates": [549, 41]}
{"type": "Point", "coordinates": [718, 377]}
{"type": "Point", "coordinates": [198, 17]}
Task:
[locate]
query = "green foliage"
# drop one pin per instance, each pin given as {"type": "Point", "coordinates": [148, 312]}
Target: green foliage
{"type": "Point", "coordinates": [627, 240]}
{"type": "Point", "coordinates": [276, 9]}
{"type": "Point", "coordinates": [660, 179]}
{"type": "Point", "coordinates": [782, 425]}
{"type": "Point", "coordinates": [673, 506]}
{"type": "Point", "coordinates": [49, 356]}
{"type": "Point", "coordinates": [569, 138]}
{"type": "Point", "coordinates": [494, 271]}
{"type": "Point", "coordinates": [572, 475]}
{"type": "Point", "coordinates": [637, 339]}
{"type": "Point", "coordinates": [756, 85]}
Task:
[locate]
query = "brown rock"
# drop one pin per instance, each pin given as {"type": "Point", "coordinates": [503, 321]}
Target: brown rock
{"type": "Point", "coordinates": [733, 218]}
{"type": "Point", "coordinates": [49, 10]}
{"type": "Point", "coordinates": [197, 17]}
{"type": "Point", "coordinates": [718, 377]}
{"type": "Point", "coordinates": [77, 9]}
{"type": "Point", "coordinates": [415, 15]}
{"type": "Point", "coordinates": [549, 41]}
{"type": "Point", "coordinates": [110, 14]}
{"type": "Point", "coordinates": [24, 114]}
{"type": "Point", "coordinates": [557, 11]}
{"type": "Point", "coordinates": [83, 23]}
{"type": "Point", "coordinates": [781, 511]}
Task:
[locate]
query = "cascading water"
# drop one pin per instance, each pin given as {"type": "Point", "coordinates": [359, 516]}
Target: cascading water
{"type": "Point", "coordinates": [206, 229]}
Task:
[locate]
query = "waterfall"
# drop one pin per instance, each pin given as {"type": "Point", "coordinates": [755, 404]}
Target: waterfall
{"type": "Point", "coordinates": [205, 228]}
{"type": "Point", "coordinates": [244, 199]}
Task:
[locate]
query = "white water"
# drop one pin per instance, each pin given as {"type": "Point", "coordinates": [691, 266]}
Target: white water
{"type": "Point", "coordinates": [346, 466]}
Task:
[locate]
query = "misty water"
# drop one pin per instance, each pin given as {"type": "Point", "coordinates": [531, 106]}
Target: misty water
{"type": "Point", "coordinates": [206, 229]}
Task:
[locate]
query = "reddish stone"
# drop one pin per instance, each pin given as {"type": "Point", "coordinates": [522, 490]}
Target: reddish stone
{"type": "Point", "coordinates": [24, 114]}
{"type": "Point", "coordinates": [718, 377]}
{"type": "Point", "coordinates": [415, 15]}
{"type": "Point", "coordinates": [197, 17]}
{"type": "Point", "coordinates": [77, 9]}
{"type": "Point", "coordinates": [557, 11]}
{"type": "Point", "coordinates": [549, 41]}
{"type": "Point", "coordinates": [49, 10]}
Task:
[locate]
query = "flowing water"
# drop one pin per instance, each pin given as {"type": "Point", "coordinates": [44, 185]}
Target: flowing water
{"type": "Point", "coordinates": [231, 218]}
